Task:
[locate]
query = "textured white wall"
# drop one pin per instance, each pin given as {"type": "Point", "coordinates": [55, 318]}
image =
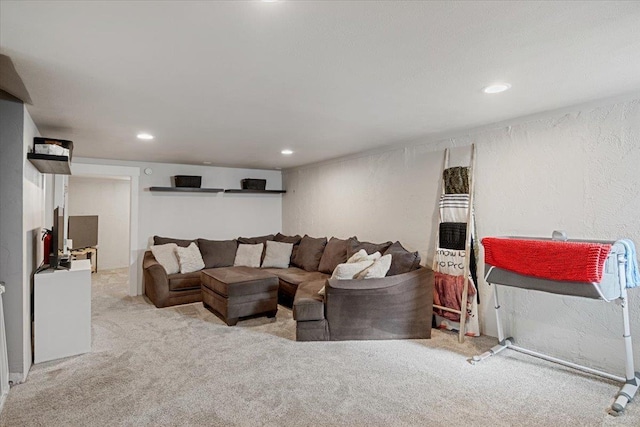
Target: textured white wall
{"type": "Point", "coordinates": [208, 215]}
{"type": "Point", "coordinates": [109, 199]}
{"type": "Point", "coordinates": [575, 171]}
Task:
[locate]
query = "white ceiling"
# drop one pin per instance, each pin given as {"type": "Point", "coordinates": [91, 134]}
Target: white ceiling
{"type": "Point", "coordinates": [233, 82]}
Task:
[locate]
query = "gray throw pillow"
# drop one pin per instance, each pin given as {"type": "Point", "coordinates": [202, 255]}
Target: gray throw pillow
{"type": "Point", "coordinates": [255, 241]}
{"type": "Point", "coordinates": [189, 258]}
{"type": "Point", "coordinates": [309, 253]}
{"type": "Point", "coordinates": [248, 255]}
{"type": "Point", "coordinates": [166, 256]}
{"type": "Point", "coordinates": [334, 253]}
{"type": "Point", "coordinates": [277, 254]}
{"type": "Point", "coordinates": [402, 261]}
{"type": "Point", "coordinates": [289, 239]}
{"type": "Point", "coordinates": [218, 253]}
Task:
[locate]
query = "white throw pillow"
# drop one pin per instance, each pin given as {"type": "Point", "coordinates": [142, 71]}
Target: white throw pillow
{"type": "Point", "coordinates": [189, 258]}
{"type": "Point", "coordinates": [359, 261]}
{"type": "Point", "coordinates": [351, 270]}
{"type": "Point", "coordinates": [248, 255]}
{"type": "Point", "coordinates": [166, 256]}
{"type": "Point", "coordinates": [378, 269]}
{"type": "Point", "coordinates": [277, 254]}
{"type": "Point", "coordinates": [348, 271]}
{"type": "Point", "coordinates": [373, 257]}
{"type": "Point", "coordinates": [357, 256]}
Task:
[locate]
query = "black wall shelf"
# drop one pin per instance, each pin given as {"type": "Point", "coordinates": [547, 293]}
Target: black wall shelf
{"type": "Point", "coordinates": [255, 191]}
{"type": "Point", "coordinates": [187, 189]}
{"type": "Point", "coordinates": [48, 163]}
{"type": "Point", "coordinates": [212, 190]}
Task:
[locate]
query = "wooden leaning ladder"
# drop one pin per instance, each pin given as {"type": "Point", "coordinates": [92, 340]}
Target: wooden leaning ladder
{"type": "Point", "coordinates": [465, 290]}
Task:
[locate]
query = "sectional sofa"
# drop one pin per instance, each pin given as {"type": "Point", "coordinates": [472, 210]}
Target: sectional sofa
{"type": "Point", "coordinates": [396, 306]}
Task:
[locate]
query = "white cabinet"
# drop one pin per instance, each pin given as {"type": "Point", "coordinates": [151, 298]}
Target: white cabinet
{"type": "Point", "coordinates": [62, 312]}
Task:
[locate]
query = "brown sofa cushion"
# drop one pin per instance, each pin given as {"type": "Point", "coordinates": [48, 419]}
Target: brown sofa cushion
{"type": "Point", "coordinates": [288, 239]}
{"type": "Point", "coordinates": [218, 253]}
{"type": "Point", "coordinates": [179, 282]}
{"type": "Point", "coordinates": [334, 253]}
{"type": "Point", "coordinates": [310, 252]}
{"type": "Point", "coordinates": [157, 240]}
{"type": "Point", "coordinates": [355, 246]}
{"type": "Point", "coordinates": [255, 240]}
{"type": "Point", "coordinates": [402, 261]}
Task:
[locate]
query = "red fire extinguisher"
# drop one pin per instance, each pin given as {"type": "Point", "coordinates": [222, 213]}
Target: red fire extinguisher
{"type": "Point", "coordinates": [47, 238]}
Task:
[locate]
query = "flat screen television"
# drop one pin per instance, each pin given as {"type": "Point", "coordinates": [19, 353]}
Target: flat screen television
{"type": "Point", "coordinates": [83, 231]}
{"type": "Point", "coordinates": [57, 238]}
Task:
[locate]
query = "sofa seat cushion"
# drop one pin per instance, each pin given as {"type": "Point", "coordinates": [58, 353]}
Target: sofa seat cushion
{"type": "Point", "coordinates": [238, 281]}
{"type": "Point", "coordinates": [307, 304]}
{"type": "Point", "coordinates": [181, 282]}
{"type": "Point", "coordinates": [295, 275]}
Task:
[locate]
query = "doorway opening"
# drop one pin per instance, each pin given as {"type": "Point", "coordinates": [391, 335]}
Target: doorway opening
{"type": "Point", "coordinates": [98, 220]}
{"type": "Point", "coordinates": [108, 183]}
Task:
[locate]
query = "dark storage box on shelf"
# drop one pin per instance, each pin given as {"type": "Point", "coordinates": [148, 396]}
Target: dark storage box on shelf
{"type": "Point", "coordinates": [254, 184]}
{"type": "Point", "coordinates": [190, 181]}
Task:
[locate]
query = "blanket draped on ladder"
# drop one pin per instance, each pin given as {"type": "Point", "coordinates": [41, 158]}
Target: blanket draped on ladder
{"type": "Point", "coordinates": [449, 261]}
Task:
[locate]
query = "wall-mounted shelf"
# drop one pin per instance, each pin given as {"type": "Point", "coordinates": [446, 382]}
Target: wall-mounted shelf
{"type": "Point", "coordinates": [213, 190]}
{"type": "Point", "coordinates": [255, 191]}
{"type": "Point", "coordinates": [187, 189]}
{"type": "Point", "coordinates": [48, 163]}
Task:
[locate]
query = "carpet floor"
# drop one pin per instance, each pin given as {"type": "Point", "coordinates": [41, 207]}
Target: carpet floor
{"type": "Point", "coordinates": [182, 366]}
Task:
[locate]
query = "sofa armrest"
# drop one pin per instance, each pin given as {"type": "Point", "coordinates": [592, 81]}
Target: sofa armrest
{"type": "Point", "coordinates": [149, 261]}
{"type": "Point", "coordinates": [388, 308]}
{"type": "Point", "coordinates": [156, 280]}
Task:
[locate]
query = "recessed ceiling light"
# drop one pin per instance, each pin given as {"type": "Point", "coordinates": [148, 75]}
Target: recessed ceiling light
{"type": "Point", "coordinates": [287, 152]}
{"type": "Point", "coordinates": [496, 88]}
{"type": "Point", "coordinates": [145, 136]}
{"type": "Point", "coordinates": [206, 163]}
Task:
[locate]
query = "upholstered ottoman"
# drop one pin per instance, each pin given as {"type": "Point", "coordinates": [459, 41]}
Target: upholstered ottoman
{"type": "Point", "coordinates": [234, 292]}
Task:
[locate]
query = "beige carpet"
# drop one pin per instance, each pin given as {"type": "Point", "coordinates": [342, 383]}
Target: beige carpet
{"type": "Point", "coordinates": [182, 366]}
